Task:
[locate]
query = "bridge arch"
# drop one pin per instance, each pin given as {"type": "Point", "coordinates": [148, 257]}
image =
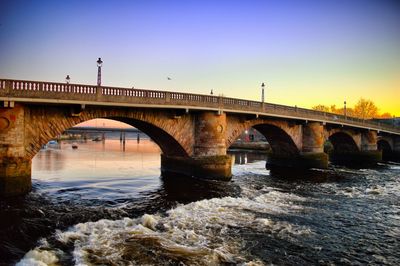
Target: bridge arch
{"type": "Point", "coordinates": [167, 143]}
{"type": "Point", "coordinates": [280, 135]}
{"type": "Point", "coordinates": [343, 143]}
{"type": "Point", "coordinates": [281, 142]}
{"type": "Point", "coordinates": [385, 147]}
{"type": "Point", "coordinates": [167, 132]}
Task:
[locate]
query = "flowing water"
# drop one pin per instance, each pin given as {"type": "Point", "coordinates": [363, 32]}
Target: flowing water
{"type": "Point", "coordinates": [101, 205]}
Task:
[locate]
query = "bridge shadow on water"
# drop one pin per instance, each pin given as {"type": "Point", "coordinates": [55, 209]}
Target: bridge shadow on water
{"type": "Point", "coordinates": [334, 173]}
{"type": "Point", "coordinates": [286, 174]}
{"type": "Point", "coordinates": [184, 189]}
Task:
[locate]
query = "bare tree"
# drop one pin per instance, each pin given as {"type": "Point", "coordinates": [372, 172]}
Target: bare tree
{"type": "Point", "coordinates": [386, 115]}
{"type": "Point", "coordinates": [365, 109]}
{"type": "Point", "coordinates": [321, 108]}
{"type": "Point", "coordinates": [349, 111]}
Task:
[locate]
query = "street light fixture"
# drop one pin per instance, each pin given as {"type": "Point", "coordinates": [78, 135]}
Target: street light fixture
{"type": "Point", "coordinates": [99, 65]}
{"type": "Point", "coordinates": [262, 92]}
{"type": "Point", "coordinates": [345, 110]}
{"type": "Point", "coordinates": [67, 79]}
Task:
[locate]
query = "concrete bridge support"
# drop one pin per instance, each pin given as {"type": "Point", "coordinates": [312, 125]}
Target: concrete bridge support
{"type": "Point", "coordinates": [209, 159]}
{"type": "Point", "coordinates": [15, 164]}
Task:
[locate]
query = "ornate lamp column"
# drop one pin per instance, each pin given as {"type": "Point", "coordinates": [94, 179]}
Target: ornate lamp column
{"type": "Point", "coordinates": [262, 92]}
{"type": "Point", "coordinates": [99, 64]}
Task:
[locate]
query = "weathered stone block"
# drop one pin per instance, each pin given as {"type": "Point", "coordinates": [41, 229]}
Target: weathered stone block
{"type": "Point", "coordinates": [206, 167]}
{"type": "Point", "coordinates": [210, 133]}
{"type": "Point", "coordinates": [313, 138]}
{"type": "Point", "coordinates": [301, 161]}
{"type": "Point", "coordinates": [356, 158]}
{"type": "Point", "coordinates": [393, 156]}
{"type": "Point", "coordinates": [15, 177]}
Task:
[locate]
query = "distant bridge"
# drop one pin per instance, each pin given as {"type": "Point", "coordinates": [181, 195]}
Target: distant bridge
{"type": "Point", "coordinates": [192, 130]}
{"type": "Point", "coordinates": [101, 129]}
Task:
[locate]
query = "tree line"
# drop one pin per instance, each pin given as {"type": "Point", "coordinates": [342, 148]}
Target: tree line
{"type": "Point", "coordinates": [364, 109]}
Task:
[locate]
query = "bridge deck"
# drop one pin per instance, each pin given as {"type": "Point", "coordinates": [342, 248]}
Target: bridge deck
{"type": "Point", "coordinates": [62, 93]}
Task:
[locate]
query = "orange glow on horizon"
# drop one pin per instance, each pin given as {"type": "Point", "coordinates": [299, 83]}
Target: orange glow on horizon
{"type": "Point", "coordinates": [102, 122]}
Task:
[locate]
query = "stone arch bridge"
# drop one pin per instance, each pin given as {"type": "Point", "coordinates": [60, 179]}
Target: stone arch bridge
{"type": "Point", "coordinates": [193, 131]}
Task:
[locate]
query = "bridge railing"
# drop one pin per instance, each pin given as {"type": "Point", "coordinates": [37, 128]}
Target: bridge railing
{"type": "Point", "coordinates": [325, 116]}
{"type": "Point", "coordinates": [81, 92]}
{"type": "Point", "coordinates": [36, 89]}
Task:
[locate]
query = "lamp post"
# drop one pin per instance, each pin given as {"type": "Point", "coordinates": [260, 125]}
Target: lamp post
{"type": "Point", "coordinates": [99, 64]}
{"type": "Point", "coordinates": [262, 92]}
{"type": "Point", "coordinates": [345, 110]}
{"type": "Point", "coordinates": [67, 79]}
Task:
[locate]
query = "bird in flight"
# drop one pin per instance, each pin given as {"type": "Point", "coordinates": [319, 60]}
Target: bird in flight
{"type": "Point", "coordinates": [168, 78]}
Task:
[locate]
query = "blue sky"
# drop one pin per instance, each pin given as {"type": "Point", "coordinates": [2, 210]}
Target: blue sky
{"type": "Point", "coordinates": [307, 52]}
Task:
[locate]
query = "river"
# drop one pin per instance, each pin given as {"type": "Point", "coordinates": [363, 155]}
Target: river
{"type": "Point", "coordinates": [103, 205]}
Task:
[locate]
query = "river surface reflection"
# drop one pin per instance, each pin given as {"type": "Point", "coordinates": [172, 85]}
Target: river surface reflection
{"type": "Point", "coordinates": [102, 204]}
{"type": "Point", "coordinates": [98, 169]}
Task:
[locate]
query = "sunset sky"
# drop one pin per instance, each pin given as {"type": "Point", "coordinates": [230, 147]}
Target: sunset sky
{"type": "Point", "coordinates": [306, 52]}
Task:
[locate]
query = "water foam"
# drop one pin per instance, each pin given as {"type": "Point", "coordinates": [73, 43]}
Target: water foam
{"type": "Point", "coordinates": [38, 257]}
{"type": "Point", "coordinates": [198, 233]}
{"type": "Point", "coordinates": [257, 168]}
{"type": "Point", "coordinates": [284, 229]}
{"type": "Point", "coordinates": [368, 191]}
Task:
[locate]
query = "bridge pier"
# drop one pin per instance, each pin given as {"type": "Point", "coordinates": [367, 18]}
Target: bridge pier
{"type": "Point", "coordinates": [299, 161]}
{"type": "Point", "coordinates": [15, 176]}
{"type": "Point", "coordinates": [206, 167]}
{"type": "Point", "coordinates": [357, 158]}
{"type": "Point", "coordinates": [209, 159]}
{"type": "Point", "coordinates": [370, 155]}
{"type": "Point", "coordinates": [15, 166]}
{"type": "Point", "coordinates": [311, 154]}
{"type": "Point", "coordinates": [395, 156]}
{"type": "Point", "coordinates": [367, 155]}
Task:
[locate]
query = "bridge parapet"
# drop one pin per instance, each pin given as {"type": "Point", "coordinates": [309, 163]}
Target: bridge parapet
{"type": "Point", "coordinates": [80, 92]}
{"type": "Point", "coordinates": [2, 84]}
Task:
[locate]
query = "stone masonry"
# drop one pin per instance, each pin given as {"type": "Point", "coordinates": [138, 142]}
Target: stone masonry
{"type": "Point", "coordinates": [193, 143]}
